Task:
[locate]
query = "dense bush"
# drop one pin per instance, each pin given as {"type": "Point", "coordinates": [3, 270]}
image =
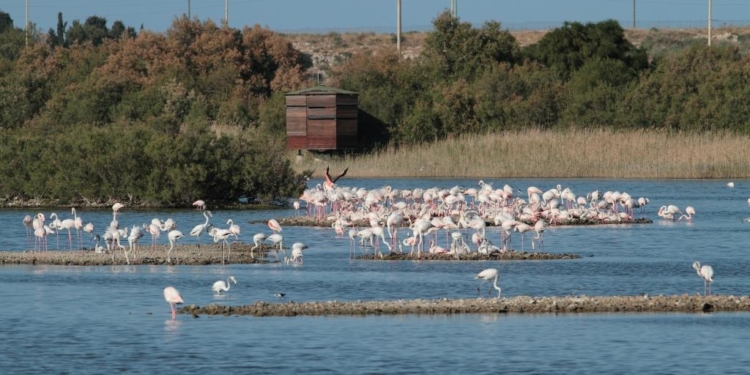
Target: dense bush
{"type": "Point", "coordinates": [100, 113]}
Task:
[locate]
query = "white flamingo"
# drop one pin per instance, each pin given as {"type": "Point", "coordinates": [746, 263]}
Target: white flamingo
{"type": "Point", "coordinates": [173, 236]}
{"type": "Point", "coordinates": [487, 275]}
{"type": "Point", "coordinates": [223, 286]}
{"type": "Point", "coordinates": [200, 228]}
{"type": "Point", "coordinates": [706, 272]}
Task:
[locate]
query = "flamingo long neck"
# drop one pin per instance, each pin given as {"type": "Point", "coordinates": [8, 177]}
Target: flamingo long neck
{"type": "Point", "coordinates": [229, 284]}
{"type": "Point", "coordinates": [206, 216]}
{"type": "Point", "coordinates": [495, 284]}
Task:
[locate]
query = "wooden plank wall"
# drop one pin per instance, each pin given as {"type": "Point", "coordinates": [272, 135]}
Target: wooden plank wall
{"type": "Point", "coordinates": [321, 101]}
{"type": "Point", "coordinates": [322, 122]}
{"type": "Point", "coordinates": [296, 101]}
{"type": "Point", "coordinates": [296, 121]}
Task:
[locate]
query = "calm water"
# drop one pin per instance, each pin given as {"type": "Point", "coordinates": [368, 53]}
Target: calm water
{"type": "Point", "coordinates": [114, 319]}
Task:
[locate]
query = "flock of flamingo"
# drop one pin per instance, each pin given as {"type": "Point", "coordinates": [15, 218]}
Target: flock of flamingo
{"type": "Point", "coordinates": [422, 212]}
{"type": "Point", "coordinates": [428, 211]}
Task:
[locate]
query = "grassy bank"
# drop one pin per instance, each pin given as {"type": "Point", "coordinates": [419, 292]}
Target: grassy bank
{"type": "Point", "coordinates": [559, 153]}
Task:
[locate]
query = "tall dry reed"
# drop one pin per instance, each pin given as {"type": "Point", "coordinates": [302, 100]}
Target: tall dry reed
{"type": "Point", "coordinates": [560, 153]}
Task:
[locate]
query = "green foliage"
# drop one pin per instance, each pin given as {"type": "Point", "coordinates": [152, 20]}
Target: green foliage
{"type": "Point", "coordinates": [700, 89]}
{"type": "Point", "coordinates": [115, 115]}
{"type": "Point", "coordinates": [566, 49]}
{"type": "Point", "coordinates": [594, 91]}
{"type": "Point", "coordinates": [457, 50]}
{"type": "Point", "coordinates": [273, 115]}
{"type": "Point", "coordinates": [6, 22]}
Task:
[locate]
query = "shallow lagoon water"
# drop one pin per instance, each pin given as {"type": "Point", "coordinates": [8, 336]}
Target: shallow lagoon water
{"type": "Point", "coordinates": [114, 318]}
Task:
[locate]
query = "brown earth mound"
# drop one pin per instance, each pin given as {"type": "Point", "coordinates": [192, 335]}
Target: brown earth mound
{"type": "Point", "coordinates": [521, 304]}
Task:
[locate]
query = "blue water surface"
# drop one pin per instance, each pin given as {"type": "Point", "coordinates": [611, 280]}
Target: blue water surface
{"type": "Point", "coordinates": [93, 320]}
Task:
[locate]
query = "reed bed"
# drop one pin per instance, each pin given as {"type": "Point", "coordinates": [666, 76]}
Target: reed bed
{"type": "Point", "coordinates": [572, 153]}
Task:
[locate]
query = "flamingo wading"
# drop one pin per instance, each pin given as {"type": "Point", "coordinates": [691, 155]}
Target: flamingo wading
{"type": "Point", "coordinates": [487, 275]}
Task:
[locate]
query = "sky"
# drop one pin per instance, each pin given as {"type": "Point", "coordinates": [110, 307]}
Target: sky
{"type": "Point", "coordinates": [380, 15]}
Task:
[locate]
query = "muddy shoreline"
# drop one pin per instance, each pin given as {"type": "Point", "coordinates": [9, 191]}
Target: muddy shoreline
{"type": "Point", "coordinates": [515, 305]}
{"type": "Point", "coordinates": [191, 255]}
{"type": "Point", "coordinates": [208, 254]}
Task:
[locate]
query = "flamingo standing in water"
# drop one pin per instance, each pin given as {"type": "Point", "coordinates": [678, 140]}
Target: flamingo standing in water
{"type": "Point", "coordinates": [223, 286]}
{"type": "Point", "coordinates": [690, 211]}
{"type": "Point", "coordinates": [222, 235]}
{"type": "Point", "coordinates": [234, 229]}
{"type": "Point", "coordinates": [78, 225]}
{"type": "Point", "coordinates": [56, 224]}
{"type": "Point", "coordinates": [27, 220]}
{"type": "Point", "coordinates": [258, 238]}
{"type": "Point", "coordinates": [173, 297]}
{"type": "Point", "coordinates": [394, 221]}
{"type": "Point", "coordinates": [487, 275]}
{"type": "Point", "coordinates": [539, 229]}
{"type": "Point", "coordinates": [68, 224]}
{"type": "Point", "coordinates": [274, 225]}
{"type": "Point", "coordinates": [89, 228]}
{"type": "Point", "coordinates": [352, 241]}
{"type": "Point", "coordinates": [522, 228]}
{"type": "Point", "coordinates": [296, 253]}
{"type": "Point", "coordinates": [135, 235]}
{"type": "Point", "coordinates": [200, 228]}
{"type": "Point", "coordinates": [706, 272]}
{"type": "Point", "coordinates": [173, 236]}
{"type": "Point", "coordinates": [115, 210]}
{"type": "Point", "coordinates": [277, 239]}
{"type": "Point", "coordinates": [200, 204]}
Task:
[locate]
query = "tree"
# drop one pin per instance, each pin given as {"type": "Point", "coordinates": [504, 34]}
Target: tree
{"type": "Point", "coordinates": [458, 50]}
{"type": "Point", "coordinates": [566, 49]}
{"type": "Point", "coordinates": [57, 39]}
{"type": "Point", "coordinates": [6, 22]}
{"type": "Point", "coordinates": [93, 30]}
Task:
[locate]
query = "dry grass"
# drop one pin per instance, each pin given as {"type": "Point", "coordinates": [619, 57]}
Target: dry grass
{"type": "Point", "coordinates": [566, 153]}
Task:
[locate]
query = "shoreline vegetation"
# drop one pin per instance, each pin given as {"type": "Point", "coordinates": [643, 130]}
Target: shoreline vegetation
{"type": "Point", "coordinates": [570, 153]}
{"type": "Point", "coordinates": [518, 305]}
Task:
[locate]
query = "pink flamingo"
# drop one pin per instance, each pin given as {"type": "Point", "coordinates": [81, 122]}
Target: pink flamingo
{"type": "Point", "coordinates": [522, 228]}
{"type": "Point", "coordinates": [68, 224]}
{"type": "Point", "coordinates": [27, 220]}
{"type": "Point", "coordinates": [200, 204]}
{"type": "Point", "coordinates": [274, 225]}
{"type": "Point", "coordinates": [154, 230]}
{"type": "Point", "coordinates": [690, 211]}
{"type": "Point", "coordinates": [173, 297]}
{"type": "Point", "coordinates": [234, 229]}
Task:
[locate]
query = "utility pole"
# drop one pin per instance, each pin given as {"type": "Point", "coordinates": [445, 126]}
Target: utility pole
{"type": "Point", "coordinates": [633, 14]}
{"type": "Point", "coordinates": [26, 29]}
{"type": "Point", "coordinates": [226, 12]}
{"type": "Point", "coordinates": [710, 17]}
{"type": "Point", "coordinates": [398, 26]}
{"type": "Point", "coordinates": [454, 8]}
{"type": "Point", "coordinates": [188, 9]}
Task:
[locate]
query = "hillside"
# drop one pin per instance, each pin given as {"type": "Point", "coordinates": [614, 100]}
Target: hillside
{"type": "Point", "coordinates": [329, 49]}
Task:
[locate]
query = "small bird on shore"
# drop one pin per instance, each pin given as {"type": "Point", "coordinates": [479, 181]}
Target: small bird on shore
{"type": "Point", "coordinates": [279, 295]}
